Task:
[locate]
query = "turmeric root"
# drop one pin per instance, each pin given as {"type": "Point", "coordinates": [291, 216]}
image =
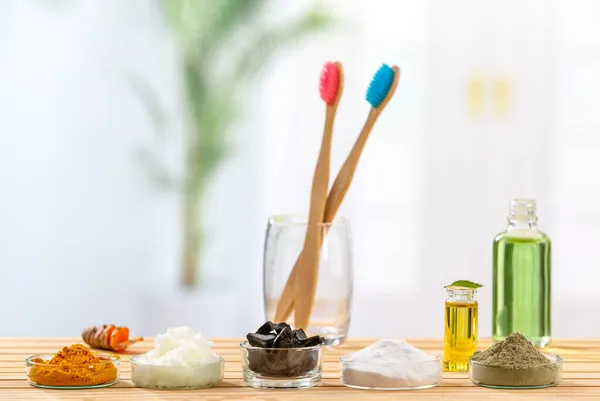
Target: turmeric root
{"type": "Point", "coordinates": [109, 337]}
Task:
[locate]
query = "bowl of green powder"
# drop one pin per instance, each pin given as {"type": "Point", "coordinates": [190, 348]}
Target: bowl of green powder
{"type": "Point", "coordinates": [515, 363]}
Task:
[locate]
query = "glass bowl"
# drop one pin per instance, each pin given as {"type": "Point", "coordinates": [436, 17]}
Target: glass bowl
{"type": "Point", "coordinates": [103, 374]}
{"type": "Point", "coordinates": [176, 377]}
{"type": "Point", "coordinates": [540, 376]}
{"type": "Point", "coordinates": [281, 367]}
{"type": "Point", "coordinates": [401, 375]}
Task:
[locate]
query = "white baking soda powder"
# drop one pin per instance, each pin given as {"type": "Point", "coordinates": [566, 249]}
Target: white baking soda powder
{"type": "Point", "coordinates": [391, 364]}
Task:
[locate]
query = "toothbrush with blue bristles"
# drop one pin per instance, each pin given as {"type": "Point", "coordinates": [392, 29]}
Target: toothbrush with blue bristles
{"type": "Point", "coordinates": [382, 88]}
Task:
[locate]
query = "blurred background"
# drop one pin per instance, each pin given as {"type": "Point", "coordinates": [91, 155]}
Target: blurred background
{"type": "Point", "coordinates": [143, 145]}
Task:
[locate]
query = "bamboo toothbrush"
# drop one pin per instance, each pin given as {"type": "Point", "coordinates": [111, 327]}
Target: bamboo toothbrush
{"type": "Point", "coordinates": [331, 88]}
{"type": "Point", "coordinates": [382, 88]}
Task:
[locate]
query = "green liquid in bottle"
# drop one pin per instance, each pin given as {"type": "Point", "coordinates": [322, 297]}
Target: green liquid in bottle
{"type": "Point", "coordinates": [521, 291]}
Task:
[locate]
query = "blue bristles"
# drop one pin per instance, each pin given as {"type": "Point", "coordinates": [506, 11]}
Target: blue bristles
{"type": "Point", "coordinates": [380, 85]}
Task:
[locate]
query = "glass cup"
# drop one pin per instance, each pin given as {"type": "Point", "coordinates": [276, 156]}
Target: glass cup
{"type": "Point", "coordinates": [284, 242]}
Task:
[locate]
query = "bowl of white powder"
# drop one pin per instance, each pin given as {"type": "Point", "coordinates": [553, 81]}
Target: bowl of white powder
{"type": "Point", "coordinates": [391, 365]}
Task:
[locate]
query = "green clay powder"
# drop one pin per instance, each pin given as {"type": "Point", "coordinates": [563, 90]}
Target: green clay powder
{"type": "Point", "coordinates": [514, 362]}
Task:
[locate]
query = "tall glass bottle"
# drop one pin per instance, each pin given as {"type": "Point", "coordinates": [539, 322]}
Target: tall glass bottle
{"type": "Point", "coordinates": [522, 277]}
{"type": "Point", "coordinates": [460, 328]}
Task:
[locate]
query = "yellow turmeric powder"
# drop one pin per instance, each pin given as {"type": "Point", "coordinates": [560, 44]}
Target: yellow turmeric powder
{"type": "Point", "coordinates": [73, 366]}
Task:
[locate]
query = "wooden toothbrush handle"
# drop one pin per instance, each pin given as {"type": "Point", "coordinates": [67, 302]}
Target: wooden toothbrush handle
{"type": "Point", "coordinates": [344, 178]}
{"type": "Point", "coordinates": [307, 276]}
{"type": "Point", "coordinates": [338, 191]}
{"type": "Point", "coordinates": [285, 305]}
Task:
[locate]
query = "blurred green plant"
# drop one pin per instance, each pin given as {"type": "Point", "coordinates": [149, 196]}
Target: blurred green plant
{"type": "Point", "coordinates": [224, 44]}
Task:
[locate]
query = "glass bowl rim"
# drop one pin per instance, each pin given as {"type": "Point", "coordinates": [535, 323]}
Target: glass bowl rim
{"type": "Point", "coordinates": [557, 360]}
{"type": "Point", "coordinates": [301, 220]}
{"type": "Point", "coordinates": [437, 360]}
{"type": "Point", "coordinates": [134, 361]}
{"type": "Point", "coordinates": [246, 345]}
{"type": "Point", "coordinates": [110, 358]}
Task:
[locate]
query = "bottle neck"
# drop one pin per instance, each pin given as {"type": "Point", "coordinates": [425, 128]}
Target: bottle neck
{"type": "Point", "coordinates": [522, 215]}
{"type": "Point", "coordinates": [461, 294]}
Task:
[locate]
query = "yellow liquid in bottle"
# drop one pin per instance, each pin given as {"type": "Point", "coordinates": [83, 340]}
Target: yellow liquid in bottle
{"type": "Point", "coordinates": [460, 335]}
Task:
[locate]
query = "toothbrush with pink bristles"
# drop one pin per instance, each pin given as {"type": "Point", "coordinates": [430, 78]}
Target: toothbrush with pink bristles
{"type": "Point", "coordinates": [331, 88]}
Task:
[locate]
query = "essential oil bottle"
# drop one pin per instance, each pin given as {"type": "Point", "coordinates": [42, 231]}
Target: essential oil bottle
{"type": "Point", "coordinates": [460, 328]}
{"type": "Point", "coordinates": [522, 277]}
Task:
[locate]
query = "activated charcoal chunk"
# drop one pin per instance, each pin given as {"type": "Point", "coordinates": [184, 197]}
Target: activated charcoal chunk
{"type": "Point", "coordinates": [281, 326]}
{"type": "Point", "coordinates": [299, 335]}
{"type": "Point", "coordinates": [285, 336]}
{"type": "Point", "coordinates": [312, 341]}
{"type": "Point", "coordinates": [286, 343]}
{"type": "Point", "coordinates": [261, 340]}
{"type": "Point", "coordinates": [267, 328]}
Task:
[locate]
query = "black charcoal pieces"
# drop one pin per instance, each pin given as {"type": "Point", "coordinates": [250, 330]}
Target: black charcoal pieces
{"type": "Point", "coordinates": [281, 335]}
{"type": "Point", "coordinates": [282, 354]}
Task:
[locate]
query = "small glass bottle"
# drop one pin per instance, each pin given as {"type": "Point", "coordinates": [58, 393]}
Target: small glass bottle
{"type": "Point", "coordinates": [460, 328]}
{"type": "Point", "coordinates": [521, 277]}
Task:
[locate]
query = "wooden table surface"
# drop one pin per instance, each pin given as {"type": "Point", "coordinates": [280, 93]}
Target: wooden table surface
{"type": "Point", "coordinates": [581, 377]}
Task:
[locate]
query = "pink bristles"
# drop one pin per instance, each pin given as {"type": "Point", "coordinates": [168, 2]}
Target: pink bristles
{"type": "Point", "coordinates": [330, 83]}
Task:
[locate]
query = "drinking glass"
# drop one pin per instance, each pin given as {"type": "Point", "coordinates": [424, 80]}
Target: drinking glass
{"type": "Point", "coordinates": [284, 242]}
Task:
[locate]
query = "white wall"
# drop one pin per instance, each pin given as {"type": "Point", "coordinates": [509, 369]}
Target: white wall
{"type": "Point", "coordinates": [84, 232]}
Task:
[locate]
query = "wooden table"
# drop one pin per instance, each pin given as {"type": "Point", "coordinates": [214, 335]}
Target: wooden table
{"type": "Point", "coordinates": [581, 378]}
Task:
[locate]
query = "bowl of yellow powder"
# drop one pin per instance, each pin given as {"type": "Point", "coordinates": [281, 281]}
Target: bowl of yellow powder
{"type": "Point", "coordinates": [74, 367]}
